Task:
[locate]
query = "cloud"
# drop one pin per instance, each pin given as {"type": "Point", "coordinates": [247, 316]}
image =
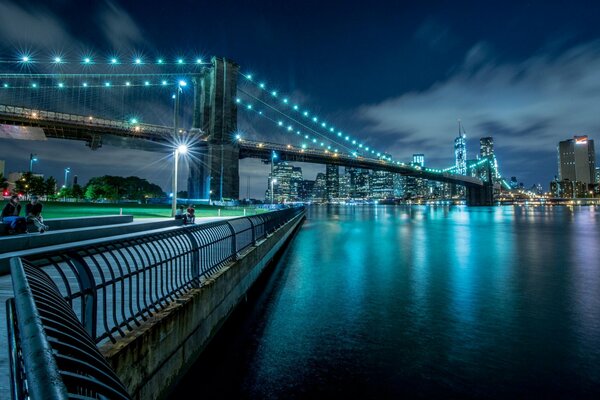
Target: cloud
{"type": "Point", "coordinates": [29, 25]}
{"type": "Point", "coordinates": [119, 28]}
{"type": "Point", "coordinates": [526, 106]}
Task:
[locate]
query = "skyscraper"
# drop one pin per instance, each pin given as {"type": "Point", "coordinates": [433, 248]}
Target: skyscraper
{"type": "Point", "coordinates": [577, 160]}
{"type": "Point", "coordinates": [460, 151]}
{"type": "Point", "coordinates": [319, 188]}
{"type": "Point", "coordinates": [382, 185]}
{"type": "Point", "coordinates": [486, 146]}
{"type": "Point", "coordinates": [332, 178]}
{"type": "Point", "coordinates": [285, 187]}
{"type": "Point", "coordinates": [486, 150]}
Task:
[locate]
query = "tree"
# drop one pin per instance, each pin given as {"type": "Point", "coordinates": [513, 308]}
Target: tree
{"type": "Point", "coordinates": [65, 192]}
{"type": "Point", "coordinates": [118, 188]}
{"type": "Point", "coordinates": [37, 186]}
{"type": "Point", "coordinates": [93, 192]}
{"type": "Point", "coordinates": [77, 191]}
{"type": "Point", "coordinates": [50, 189]}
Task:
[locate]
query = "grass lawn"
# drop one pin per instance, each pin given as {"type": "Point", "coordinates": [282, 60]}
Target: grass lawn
{"type": "Point", "coordinates": [66, 210]}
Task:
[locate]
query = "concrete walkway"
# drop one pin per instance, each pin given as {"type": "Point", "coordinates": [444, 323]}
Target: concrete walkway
{"type": "Point", "coordinates": [7, 292]}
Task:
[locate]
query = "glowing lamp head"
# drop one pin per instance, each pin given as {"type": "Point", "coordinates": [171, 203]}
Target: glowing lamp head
{"type": "Point", "coordinates": [57, 59]}
{"type": "Point", "coordinates": [238, 136]}
{"type": "Point", "coordinates": [138, 60]}
{"type": "Point", "coordinates": [182, 83]}
{"type": "Point", "coordinates": [182, 149]}
{"type": "Point", "coordinates": [180, 61]}
{"type": "Point", "coordinates": [113, 60]}
{"type": "Point", "coordinates": [199, 61]}
{"type": "Point", "coordinates": [133, 120]}
{"type": "Point", "coordinates": [87, 60]}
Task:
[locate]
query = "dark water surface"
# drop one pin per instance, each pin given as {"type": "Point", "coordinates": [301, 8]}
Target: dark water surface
{"type": "Point", "coordinates": [380, 302]}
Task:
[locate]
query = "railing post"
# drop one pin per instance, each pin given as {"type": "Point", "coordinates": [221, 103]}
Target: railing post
{"type": "Point", "coordinates": [195, 268]}
{"type": "Point", "coordinates": [233, 241]}
{"type": "Point", "coordinates": [89, 305]}
{"type": "Point", "coordinates": [253, 232]}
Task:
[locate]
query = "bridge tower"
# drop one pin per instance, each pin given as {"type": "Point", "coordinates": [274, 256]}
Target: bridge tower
{"type": "Point", "coordinates": [482, 196]}
{"type": "Point", "coordinates": [214, 173]}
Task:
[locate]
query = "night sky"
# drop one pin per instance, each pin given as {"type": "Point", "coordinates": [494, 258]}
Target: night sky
{"type": "Point", "coordinates": [396, 74]}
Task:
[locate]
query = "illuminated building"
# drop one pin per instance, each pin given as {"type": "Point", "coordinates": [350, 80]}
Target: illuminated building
{"type": "Point", "coordinates": [381, 185]}
{"type": "Point", "coordinates": [577, 160]}
{"type": "Point", "coordinates": [286, 180]}
{"type": "Point", "coordinates": [460, 152]}
{"type": "Point", "coordinates": [486, 150]}
{"type": "Point", "coordinates": [332, 181]}
{"type": "Point", "coordinates": [305, 190]}
{"type": "Point", "coordinates": [319, 188]}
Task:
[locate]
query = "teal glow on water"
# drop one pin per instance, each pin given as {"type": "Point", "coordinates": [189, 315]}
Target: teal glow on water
{"type": "Point", "coordinates": [425, 301]}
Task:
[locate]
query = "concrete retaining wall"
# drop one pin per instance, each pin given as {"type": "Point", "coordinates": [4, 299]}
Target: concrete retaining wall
{"type": "Point", "coordinates": [152, 358]}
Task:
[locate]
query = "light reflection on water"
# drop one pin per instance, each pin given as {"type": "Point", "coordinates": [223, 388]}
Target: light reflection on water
{"type": "Point", "coordinates": [426, 301]}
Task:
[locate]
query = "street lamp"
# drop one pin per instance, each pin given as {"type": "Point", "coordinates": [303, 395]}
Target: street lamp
{"type": "Point", "coordinates": [67, 170]}
{"type": "Point", "coordinates": [273, 181]}
{"type": "Point", "coordinates": [181, 149]}
{"type": "Point", "coordinates": [32, 158]}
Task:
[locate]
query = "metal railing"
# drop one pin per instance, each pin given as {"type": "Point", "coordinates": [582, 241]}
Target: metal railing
{"type": "Point", "coordinates": [67, 302]}
{"type": "Point", "coordinates": [115, 285]}
{"type": "Point", "coordinates": [51, 356]}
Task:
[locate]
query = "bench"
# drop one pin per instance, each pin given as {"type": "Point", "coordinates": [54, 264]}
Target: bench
{"type": "Point", "coordinates": [56, 224]}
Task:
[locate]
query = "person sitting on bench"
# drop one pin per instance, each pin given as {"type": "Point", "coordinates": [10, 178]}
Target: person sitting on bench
{"type": "Point", "coordinates": [191, 214]}
{"type": "Point", "coordinates": [33, 210]}
{"type": "Point", "coordinates": [179, 214]}
{"type": "Point", "coordinates": [10, 216]}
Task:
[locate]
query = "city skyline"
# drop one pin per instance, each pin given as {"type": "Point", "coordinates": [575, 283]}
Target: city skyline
{"type": "Point", "coordinates": [497, 86]}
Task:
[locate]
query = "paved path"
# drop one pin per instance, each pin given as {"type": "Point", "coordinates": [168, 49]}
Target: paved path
{"type": "Point", "coordinates": [7, 292]}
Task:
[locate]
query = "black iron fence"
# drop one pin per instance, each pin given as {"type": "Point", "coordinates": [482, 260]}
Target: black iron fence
{"type": "Point", "coordinates": [51, 356]}
{"type": "Point", "coordinates": [96, 292]}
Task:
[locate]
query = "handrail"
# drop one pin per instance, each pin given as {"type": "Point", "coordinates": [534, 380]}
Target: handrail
{"type": "Point", "coordinates": [52, 356]}
{"type": "Point", "coordinates": [114, 285]}
{"type": "Point", "coordinates": [43, 376]}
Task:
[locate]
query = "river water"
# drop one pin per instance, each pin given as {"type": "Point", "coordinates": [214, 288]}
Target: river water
{"type": "Point", "coordinates": [423, 301]}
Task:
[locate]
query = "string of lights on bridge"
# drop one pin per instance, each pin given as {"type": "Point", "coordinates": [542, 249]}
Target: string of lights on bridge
{"type": "Point", "coordinates": [106, 84]}
{"type": "Point", "coordinates": [311, 117]}
{"type": "Point", "coordinates": [327, 148]}
{"type": "Point", "coordinates": [331, 132]}
{"type": "Point", "coordinates": [58, 60]}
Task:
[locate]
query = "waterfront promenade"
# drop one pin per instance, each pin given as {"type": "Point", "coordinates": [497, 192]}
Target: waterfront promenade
{"type": "Point", "coordinates": [7, 292]}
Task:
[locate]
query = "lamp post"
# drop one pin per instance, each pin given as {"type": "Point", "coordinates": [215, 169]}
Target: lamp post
{"type": "Point", "coordinates": [181, 149]}
{"type": "Point", "coordinates": [273, 157]}
{"type": "Point", "coordinates": [67, 170]}
{"type": "Point", "coordinates": [32, 159]}
{"type": "Point", "coordinates": [273, 181]}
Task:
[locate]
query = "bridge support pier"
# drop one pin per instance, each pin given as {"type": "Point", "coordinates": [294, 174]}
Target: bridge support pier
{"type": "Point", "coordinates": [480, 196]}
{"type": "Point", "coordinates": [214, 173]}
